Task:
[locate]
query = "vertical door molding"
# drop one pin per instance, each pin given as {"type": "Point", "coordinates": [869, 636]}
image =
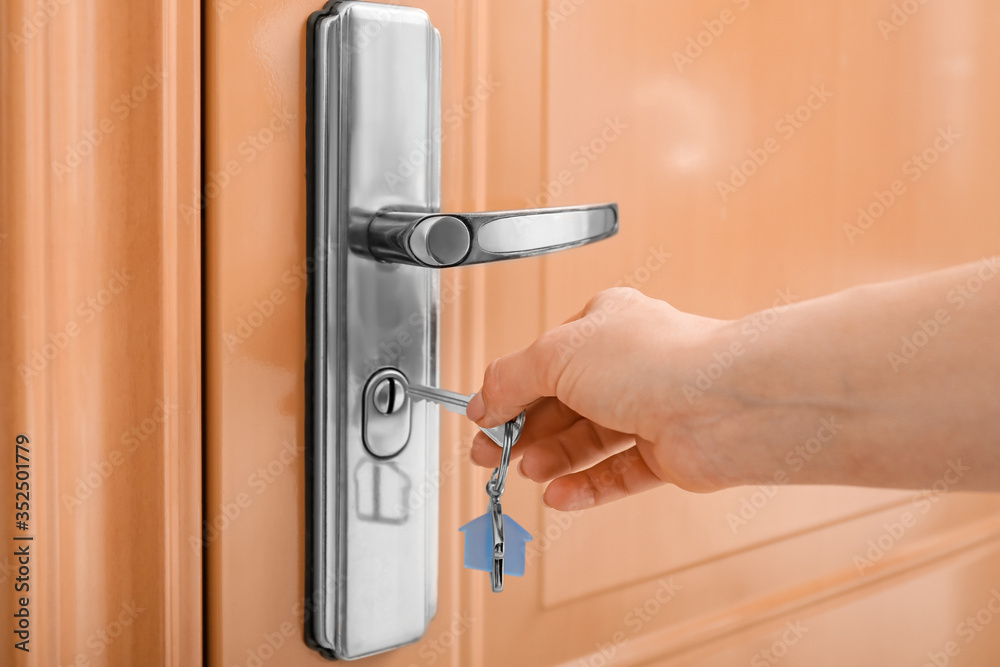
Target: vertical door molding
{"type": "Point", "coordinates": [100, 350]}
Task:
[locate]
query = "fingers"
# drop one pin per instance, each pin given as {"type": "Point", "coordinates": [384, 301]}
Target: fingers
{"type": "Point", "coordinates": [514, 381]}
{"type": "Point", "coordinates": [578, 447]}
{"type": "Point", "coordinates": [622, 475]}
{"type": "Point", "coordinates": [545, 417]}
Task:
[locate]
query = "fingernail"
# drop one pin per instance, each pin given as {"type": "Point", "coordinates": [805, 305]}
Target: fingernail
{"type": "Point", "coordinates": [520, 469]}
{"type": "Point", "coordinates": [545, 503]}
{"type": "Point", "coordinates": [476, 409]}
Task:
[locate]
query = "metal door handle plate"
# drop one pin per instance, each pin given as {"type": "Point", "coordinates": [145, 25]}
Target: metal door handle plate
{"type": "Point", "coordinates": [374, 92]}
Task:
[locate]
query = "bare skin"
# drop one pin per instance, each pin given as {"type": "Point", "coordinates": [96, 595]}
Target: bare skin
{"type": "Point", "coordinates": [892, 385]}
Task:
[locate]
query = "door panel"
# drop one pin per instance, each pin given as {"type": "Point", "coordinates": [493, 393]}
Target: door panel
{"type": "Point", "coordinates": [661, 136]}
{"type": "Point", "coordinates": [727, 206]}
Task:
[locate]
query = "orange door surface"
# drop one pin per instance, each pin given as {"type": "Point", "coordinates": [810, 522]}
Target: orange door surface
{"type": "Point", "coordinates": [761, 153]}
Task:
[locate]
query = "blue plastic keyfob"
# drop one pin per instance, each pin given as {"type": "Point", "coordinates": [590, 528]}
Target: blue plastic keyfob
{"type": "Point", "coordinates": [479, 545]}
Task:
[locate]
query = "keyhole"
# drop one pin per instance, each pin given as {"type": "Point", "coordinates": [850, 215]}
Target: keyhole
{"type": "Point", "coordinates": [388, 396]}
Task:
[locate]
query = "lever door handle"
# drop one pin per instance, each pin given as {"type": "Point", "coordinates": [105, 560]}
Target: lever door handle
{"type": "Point", "coordinates": [438, 240]}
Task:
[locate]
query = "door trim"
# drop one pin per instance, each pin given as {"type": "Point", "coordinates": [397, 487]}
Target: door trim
{"type": "Point", "coordinates": [100, 258]}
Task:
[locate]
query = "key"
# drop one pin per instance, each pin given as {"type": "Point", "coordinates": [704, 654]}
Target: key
{"type": "Point", "coordinates": [455, 402]}
{"type": "Point", "coordinates": [449, 400]}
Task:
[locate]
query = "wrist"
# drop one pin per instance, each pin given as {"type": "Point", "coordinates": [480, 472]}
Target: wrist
{"type": "Point", "coordinates": [760, 402]}
{"type": "Point", "coordinates": [786, 406]}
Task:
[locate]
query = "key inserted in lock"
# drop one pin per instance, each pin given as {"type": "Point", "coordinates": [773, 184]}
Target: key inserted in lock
{"type": "Point", "coordinates": [386, 418]}
{"type": "Point", "coordinates": [386, 413]}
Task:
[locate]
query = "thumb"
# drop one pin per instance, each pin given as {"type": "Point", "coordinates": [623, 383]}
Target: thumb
{"type": "Point", "coordinates": [516, 380]}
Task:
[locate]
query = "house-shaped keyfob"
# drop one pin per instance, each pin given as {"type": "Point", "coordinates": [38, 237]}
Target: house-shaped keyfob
{"type": "Point", "coordinates": [479, 545]}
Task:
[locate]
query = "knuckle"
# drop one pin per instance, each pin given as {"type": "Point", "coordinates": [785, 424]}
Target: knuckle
{"type": "Point", "coordinates": [608, 484]}
{"type": "Point", "coordinates": [589, 487]}
{"type": "Point", "coordinates": [549, 356]}
{"type": "Point", "coordinates": [491, 384]}
{"type": "Point", "coordinates": [564, 453]}
{"type": "Point", "coordinates": [613, 295]}
{"type": "Point", "coordinates": [624, 292]}
{"type": "Point", "coordinates": [545, 349]}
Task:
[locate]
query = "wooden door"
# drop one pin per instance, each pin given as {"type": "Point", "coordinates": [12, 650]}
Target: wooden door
{"type": "Point", "coordinates": [740, 138]}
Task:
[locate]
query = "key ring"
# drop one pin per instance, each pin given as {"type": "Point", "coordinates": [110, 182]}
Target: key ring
{"type": "Point", "coordinates": [496, 574]}
{"type": "Point", "coordinates": [498, 480]}
{"type": "Point", "coordinates": [495, 488]}
{"type": "Point", "coordinates": [485, 537]}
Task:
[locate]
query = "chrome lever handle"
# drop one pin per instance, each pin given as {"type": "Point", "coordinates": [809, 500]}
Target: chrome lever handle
{"type": "Point", "coordinates": [439, 240]}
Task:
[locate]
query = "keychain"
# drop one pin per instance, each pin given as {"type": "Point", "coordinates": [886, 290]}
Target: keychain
{"type": "Point", "coordinates": [494, 542]}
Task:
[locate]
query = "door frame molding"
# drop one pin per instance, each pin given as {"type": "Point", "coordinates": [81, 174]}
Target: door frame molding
{"type": "Point", "coordinates": [100, 257]}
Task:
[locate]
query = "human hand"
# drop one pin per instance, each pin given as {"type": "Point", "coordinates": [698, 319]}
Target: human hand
{"type": "Point", "coordinates": [631, 393]}
{"type": "Point", "coordinates": [606, 413]}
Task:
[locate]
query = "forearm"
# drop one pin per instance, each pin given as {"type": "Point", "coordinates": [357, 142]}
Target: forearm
{"type": "Point", "coordinates": [881, 385]}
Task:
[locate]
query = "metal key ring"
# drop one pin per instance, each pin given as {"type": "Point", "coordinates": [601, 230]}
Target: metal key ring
{"type": "Point", "coordinates": [498, 479]}
{"type": "Point", "coordinates": [496, 574]}
{"type": "Point", "coordinates": [497, 436]}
